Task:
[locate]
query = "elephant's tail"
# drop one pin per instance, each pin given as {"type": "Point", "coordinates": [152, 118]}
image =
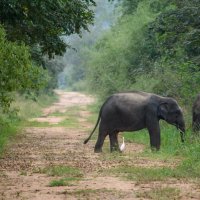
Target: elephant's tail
{"type": "Point", "coordinates": [99, 117]}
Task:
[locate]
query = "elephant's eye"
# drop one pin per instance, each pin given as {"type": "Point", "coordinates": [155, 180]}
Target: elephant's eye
{"type": "Point", "coordinates": [176, 115]}
{"type": "Point", "coordinates": [177, 112]}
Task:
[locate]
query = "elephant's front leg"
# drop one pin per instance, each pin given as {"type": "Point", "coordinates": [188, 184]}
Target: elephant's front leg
{"type": "Point", "coordinates": [114, 145]}
{"type": "Point", "coordinates": [154, 133]}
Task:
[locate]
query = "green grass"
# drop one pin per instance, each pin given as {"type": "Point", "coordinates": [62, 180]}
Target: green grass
{"type": "Point", "coordinates": [63, 182]}
{"type": "Point", "coordinates": [29, 108]}
{"type": "Point", "coordinates": [69, 175]}
{"type": "Point", "coordinates": [8, 132]}
{"type": "Point", "coordinates": [143, 175]}
{"type": "Point", "coordinates": [69, 122]}
{"type": "Point", "coordinates": [159, 193]}
{"type": "Point", "coordinates": [189, 168]}
{"type": "Point", "coordinates": [61, 171]}
{"type": "Point", "coordinates": [186, 153]}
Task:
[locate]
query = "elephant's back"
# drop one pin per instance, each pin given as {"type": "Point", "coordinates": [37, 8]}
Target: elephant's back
{"type": "Point", "coordinates": [132, 98]}
{"type": "Point", "coordinates": [126, 102]}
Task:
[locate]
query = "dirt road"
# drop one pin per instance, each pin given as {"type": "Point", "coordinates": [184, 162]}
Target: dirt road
{"type": "Point", "coordinates": [57, 141]}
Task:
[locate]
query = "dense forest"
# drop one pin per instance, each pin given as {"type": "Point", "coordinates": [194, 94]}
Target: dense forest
{"type": "Point", "coordinates": [102, 46]}
{"type": "Point", "coordinates": [99, 46]}
{"type": "Point", "coordinates": [31, 35]}
{"type": "Point", "coordinates": [152, 46]}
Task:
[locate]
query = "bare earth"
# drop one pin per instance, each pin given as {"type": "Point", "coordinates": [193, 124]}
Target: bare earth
{"type": "Point", "coordinates": [40, 147]}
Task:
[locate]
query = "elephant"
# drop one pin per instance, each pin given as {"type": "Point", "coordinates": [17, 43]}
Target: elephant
{"type": "Point", "coordinates": [196, 115]}
{"type": "Point", "coordinates": [133, 111]}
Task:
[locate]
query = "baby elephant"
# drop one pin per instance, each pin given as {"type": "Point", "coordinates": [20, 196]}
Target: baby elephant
{"type": "Point", "coordinates": [196, 114]}
{"type": "Point", "coordinates": [132, 111]}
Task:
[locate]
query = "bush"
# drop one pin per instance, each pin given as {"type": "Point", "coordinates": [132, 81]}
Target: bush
{"type": "Point", "coordinates": [17, 72]}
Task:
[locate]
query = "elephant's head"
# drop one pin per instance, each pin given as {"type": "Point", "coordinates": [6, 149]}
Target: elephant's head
{"type": "Point", "coordinates": [169, 111]}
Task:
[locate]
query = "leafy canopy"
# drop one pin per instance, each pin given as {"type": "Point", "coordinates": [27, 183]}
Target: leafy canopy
{"type": "Point", "coordinates": [44, 22]}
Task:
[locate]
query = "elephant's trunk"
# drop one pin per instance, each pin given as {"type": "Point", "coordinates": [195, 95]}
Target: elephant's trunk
{"type": "Point", "coordinates": [182, 133]}
{"type": "Point", "coordinates": [181, 127]}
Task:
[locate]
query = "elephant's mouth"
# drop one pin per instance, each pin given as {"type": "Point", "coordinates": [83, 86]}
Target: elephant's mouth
{"type": "Point", "coordinates": [176, 125]}
{"type": "Point", "coordinates": [180, 127]}
{"type": "Point", "coordinates": [182, 131]}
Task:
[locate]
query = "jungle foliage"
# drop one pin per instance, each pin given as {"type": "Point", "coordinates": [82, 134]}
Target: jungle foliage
{"type": "Point", "coordinates": [17, 72]}
{"type": "Point", "coordinates": [154, 46]}
{"type": "Point", "coordinates": [31, 34]}
{"type": "Point", "coordinates": [42, 23]}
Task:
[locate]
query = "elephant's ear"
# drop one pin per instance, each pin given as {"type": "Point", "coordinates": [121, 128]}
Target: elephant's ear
{"type": "Point", "coordinates": [163, 110]}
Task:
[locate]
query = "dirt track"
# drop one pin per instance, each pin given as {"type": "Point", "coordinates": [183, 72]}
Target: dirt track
{"type": "Point", "coordinates": [21, 175]}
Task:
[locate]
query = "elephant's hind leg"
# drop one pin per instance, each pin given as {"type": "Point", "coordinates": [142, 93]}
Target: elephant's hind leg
{"type": "Point", "coordinates": [114, 145]}
{"type": "Point", "coordinates": [101, 137]}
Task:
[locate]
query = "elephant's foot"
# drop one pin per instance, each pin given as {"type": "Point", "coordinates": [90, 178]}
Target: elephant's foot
{"type": "Point", "coordinates": [114, 149]}
{"type": "Point", "coordinates": [154, 149]}
{"type": "Point", "coordinates": [97, 150]}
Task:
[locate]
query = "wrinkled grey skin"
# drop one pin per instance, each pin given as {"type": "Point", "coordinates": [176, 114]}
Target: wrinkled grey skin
{"type": "Point", "coordinates": [133, 111]}
{"type": "Point", "coordinates": [196, 114]}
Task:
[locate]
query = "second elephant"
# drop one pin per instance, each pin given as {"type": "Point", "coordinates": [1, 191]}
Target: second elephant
{"type": "Point", "coordinates": [196, 114]}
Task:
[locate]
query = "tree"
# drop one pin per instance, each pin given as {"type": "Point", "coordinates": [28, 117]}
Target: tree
{"type": "Point", "coordinates": [17, 72]}
{"type": "Point", "coordinates": [42, 23]}
{"type": "Point", "coordinates": [179, 29]}
{"type": "Point", "coordinates": [177, 42]}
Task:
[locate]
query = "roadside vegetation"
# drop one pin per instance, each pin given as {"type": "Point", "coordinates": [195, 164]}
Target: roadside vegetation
{"type": "Point", "coordinates": [32, 41]}
{"type": "Point", "coordinates": [66, 176]}
{"type": "Point", "coordinates": [16, 119]}
{"type": "Point", "coordinates": [161, 193]}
